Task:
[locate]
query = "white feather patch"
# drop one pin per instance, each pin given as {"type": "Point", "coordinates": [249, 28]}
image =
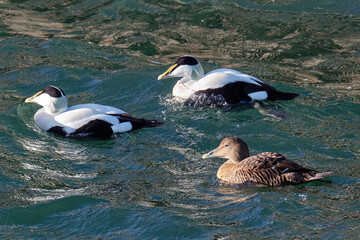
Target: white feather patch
{"type": "Point", "coordinates": [220, 77]}
{"type": "Point", "coordinates": [121, 127]}
{"type": "Point", "coordinates": [261, 95]}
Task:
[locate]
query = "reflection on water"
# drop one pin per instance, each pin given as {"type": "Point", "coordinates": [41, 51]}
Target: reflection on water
{"type": "Point", "coordinates": [268, 35]}
{"type": "Point", "coordinates": [43, 195]}
{"type": "Point", "coordinates": [57, 174]}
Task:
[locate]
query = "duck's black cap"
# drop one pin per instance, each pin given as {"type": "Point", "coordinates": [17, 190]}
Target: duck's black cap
{"type": "Point", "coordinates": [187, 60]}
{"type": "Point", "coordinates": [53, 91]}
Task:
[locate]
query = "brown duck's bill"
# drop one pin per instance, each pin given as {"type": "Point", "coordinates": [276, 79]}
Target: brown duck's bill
{"type": "Point", "coordinates": [209, 154]}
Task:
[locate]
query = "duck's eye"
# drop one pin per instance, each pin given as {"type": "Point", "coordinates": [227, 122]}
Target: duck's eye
{"type": "Point", "coordinates": [226, 145]}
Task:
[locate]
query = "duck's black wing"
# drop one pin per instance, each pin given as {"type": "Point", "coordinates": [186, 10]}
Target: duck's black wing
{"type": "Point", "coordinates": [240, 91]}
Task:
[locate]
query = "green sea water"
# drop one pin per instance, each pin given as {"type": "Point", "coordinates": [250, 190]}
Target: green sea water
{"type": "Point", "coordinates": [152, 183]}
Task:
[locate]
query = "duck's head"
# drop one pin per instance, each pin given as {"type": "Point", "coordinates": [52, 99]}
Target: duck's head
{"type": "Point", "coordinates": [186, 66]}
{"type": "Point", "coordinates": [52, 98]}
{"type": "Point", "coordinates": [231, 148]}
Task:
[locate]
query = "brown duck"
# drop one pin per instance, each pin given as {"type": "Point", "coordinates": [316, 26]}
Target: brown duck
{"type": "Point", "coordinates": [267, 168]}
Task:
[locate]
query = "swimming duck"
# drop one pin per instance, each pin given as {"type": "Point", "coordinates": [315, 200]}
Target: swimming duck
{"type": "Point", "coordinates": [267, 168]}
{"type": "Point", "coordinates": [83, 120]}
{"type": "Point", "coordinates": [226, 85]}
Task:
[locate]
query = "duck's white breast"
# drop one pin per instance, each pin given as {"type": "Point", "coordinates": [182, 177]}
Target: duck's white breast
{"type": "Point", "coordinates": [43, 119]}
{"type": "Point", "coordinates": [183, 90]}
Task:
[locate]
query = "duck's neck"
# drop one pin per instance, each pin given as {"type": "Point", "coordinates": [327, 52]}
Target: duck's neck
{"type": "Point", "coordinates": [197, 72]}
{"type": "Point", "coordinates": [238, 156]}
{"type": "Point", "coordinates": [182, 88]}
{"type": "Point", "coordinates": [225, 169]}
{"type": "Point", "coordinates": [56, 106]}
{"type": "Point", "coordinates": [192, 73]}
{"type": "Point", "coordinates": [54, 113]}
{"type": "Point", "coordinates": [184, 80]}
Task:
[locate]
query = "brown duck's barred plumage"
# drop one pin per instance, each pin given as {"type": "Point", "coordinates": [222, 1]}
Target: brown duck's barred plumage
{"type": "Point", "coordinates": [267, 168]}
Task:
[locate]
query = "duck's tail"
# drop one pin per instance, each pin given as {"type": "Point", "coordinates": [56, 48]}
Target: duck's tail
{"type": "Point", "coordinates": [137, 123]}
{"type": "Point", "coordinates": [311, 177]}
{"type": "Point", "coordinates": [282, 95]}
{"type": "Point", "coordinates": [144, 123]}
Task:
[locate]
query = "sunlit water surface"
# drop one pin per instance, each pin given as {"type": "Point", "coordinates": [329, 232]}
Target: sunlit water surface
{"type": "Point", "coordinates": [152, 183]}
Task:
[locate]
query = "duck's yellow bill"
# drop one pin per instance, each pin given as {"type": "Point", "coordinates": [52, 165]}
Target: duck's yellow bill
{"type": "Point", "coordinates": [162, 76]}
{"type": "Point", "coordinates": [30, 99]}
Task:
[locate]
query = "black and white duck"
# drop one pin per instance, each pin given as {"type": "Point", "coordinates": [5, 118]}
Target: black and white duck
{"type": "Point", "coordinates": [83, 120]}
{"type": "Point", "coordinates": [225, 85]}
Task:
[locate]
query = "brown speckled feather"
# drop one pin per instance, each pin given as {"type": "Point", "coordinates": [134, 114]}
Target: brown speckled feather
{"type": "Point", "coordinates": [266, 160]}
{"type": "Point", "coordinates": [267, 168]}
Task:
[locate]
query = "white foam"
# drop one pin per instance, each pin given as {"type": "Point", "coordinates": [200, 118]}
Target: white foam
{"type": "Point", "coordinates": [58, 173]}
{"type": "Point", "coordinates": [48, 195]}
